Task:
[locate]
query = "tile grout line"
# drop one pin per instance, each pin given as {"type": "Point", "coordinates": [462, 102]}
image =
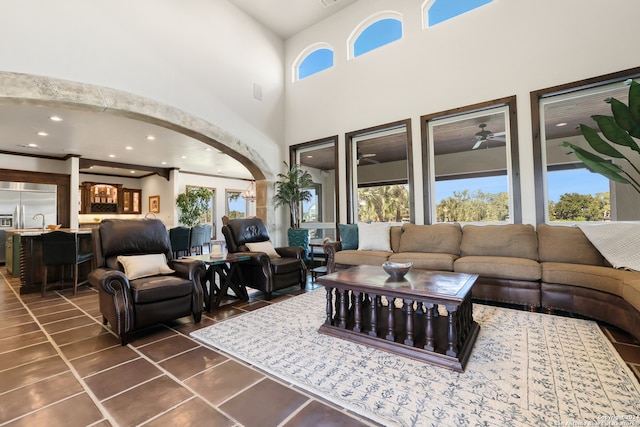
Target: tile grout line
{"type": "Point", "coordinates": [74, 372]}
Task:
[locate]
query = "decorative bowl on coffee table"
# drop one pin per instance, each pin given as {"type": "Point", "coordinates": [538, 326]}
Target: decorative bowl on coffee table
{"type": "Point", "coordinates": [397, 270]}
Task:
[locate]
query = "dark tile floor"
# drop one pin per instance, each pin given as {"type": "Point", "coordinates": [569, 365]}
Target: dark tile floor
{"type": "Point", "coordinates": [60, 367]}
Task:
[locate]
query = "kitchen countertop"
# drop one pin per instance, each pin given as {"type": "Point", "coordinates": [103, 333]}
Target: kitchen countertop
{"type": "Point", "coordinates": [38, 231]}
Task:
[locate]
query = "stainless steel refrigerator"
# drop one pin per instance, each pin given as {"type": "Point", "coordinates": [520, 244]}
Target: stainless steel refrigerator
{"type": "Point", "coordinates": [19, 204]}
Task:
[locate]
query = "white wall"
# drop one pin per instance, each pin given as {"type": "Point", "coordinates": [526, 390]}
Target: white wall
{"type": "Point", "coordinates": [504, 48]}
{"type": "Point", "coordinates": [200, 56]}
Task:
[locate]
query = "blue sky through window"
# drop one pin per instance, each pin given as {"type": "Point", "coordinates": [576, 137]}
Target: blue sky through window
{"type": "Point", "coordinates": [441, 10]}
{"type": "Point", "coordinates": [377, 34]}
{"type": "Point", "coordinates": [579, 181]}
{"type": "Point", "coordinates": [316, 61]}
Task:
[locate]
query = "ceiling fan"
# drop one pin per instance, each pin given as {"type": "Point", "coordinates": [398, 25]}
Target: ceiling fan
{"type": "Point", "coordinates": [486, 135]}
{"type": "Point", "coordinates": [366, 158]}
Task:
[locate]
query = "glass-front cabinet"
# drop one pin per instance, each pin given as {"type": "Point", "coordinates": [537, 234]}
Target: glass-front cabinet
{"type": "Point", "coordinates": [109, 198]}
{"type": "Point", "coordinates": [131, 201]}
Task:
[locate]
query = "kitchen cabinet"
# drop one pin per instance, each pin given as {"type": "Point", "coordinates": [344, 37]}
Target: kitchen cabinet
{"type": "Point", "coordinates": [97, 198]}
{"type": "Point", "coordinates": [100, 198]}
{"type": "Point", "coordinates": [131, 201]}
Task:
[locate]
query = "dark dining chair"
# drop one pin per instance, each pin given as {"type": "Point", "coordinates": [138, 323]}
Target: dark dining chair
{"type": "Point", "coordinates": [198, 238]}
{"type": "Point", "coordinates": [61, 248]}
{"type": "Point", "coordinates": [180, 238]}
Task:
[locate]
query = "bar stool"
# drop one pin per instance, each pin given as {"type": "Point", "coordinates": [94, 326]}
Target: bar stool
{"type": "Point", "coordinates": [62, 248]}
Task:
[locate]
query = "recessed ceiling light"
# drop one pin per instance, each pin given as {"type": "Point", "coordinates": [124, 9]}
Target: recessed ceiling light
{"type": "Point", "coordinates": [42, 133]}
{"type": "Point", "coordinates": [151, 137]}
{"type": "Point", "coordinates": [30, 145]}
{"type": "Point", "coordinates": [561, 124]}
{"type": "Point", "coordinates": [183, 157]}
{"type": "Point", "coordinates": [309, 156]}
{"type": "Point", "coordinates": [132, 171]}
{"type": "Point", "coordinates": [207, 149]}
{"type": "Point", "coordinates": [164, 163]}
{"type": "Point", "coordinates": [55, 118]}
{"type": "Point", "coordinates": [128, 147]}
{"type": "Point", "coordinates": [112, 155]}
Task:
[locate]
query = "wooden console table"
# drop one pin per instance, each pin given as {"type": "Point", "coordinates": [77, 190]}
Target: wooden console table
{"type": "Point", "coordinates": [413, 327]}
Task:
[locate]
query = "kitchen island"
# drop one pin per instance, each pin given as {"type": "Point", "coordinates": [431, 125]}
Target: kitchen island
{"type": "Point", "coordinates": [29, 266]}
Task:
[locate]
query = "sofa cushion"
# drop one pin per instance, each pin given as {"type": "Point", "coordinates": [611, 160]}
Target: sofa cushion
{"type": "Point", "coordinates": [374, 236]}
{"type": "Point", "coordinates": [348, 236]}
{"type": "Point", "coordinates": [437, 238]}
{"type": "Point", "coordinates": [510, 240]}
{"type": "Point", "coordinates": [631, 292]}
{"type": "Point", "coordinates": [499, 267]}
{"type": "Point", "coordinates": [355, 257]}
{"type": "Point", "coordinates": [395, 235]}
{"type": "Point", "coordinates": [601, 278]}
{"type": "Point", "coordinates": [566, 244]}
{"type": "Point", "coordinates": [426, 261]}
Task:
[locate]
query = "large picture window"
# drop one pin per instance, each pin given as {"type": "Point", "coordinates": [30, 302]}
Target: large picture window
{"type": "Point", "coordinates": [319, 159]}
{"type": "Point", "coordinates": [379, 169]}
{"type": "Point", "coordinates": [566, 191]}
{"type": "Point", "coordinates": [236, 206]}
{"type": "Point", "coordinates": [472, 164]}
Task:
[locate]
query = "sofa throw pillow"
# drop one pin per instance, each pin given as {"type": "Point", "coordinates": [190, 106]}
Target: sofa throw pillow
{"type": "Point", "coordinates": [137, 266]}
{"type": "Point", "coordinates": [266, 247]}
{"type": "Point", "coordinates": [348, 236]}
{"type": "Point", "coordinates": [374, 237]}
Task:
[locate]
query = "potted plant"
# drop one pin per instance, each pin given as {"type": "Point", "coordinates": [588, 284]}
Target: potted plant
{"type": "Point", "coordinates": [193, 203]}
{"type": "Point", "coordinates": [620, 129]}
{"type": "Point", "coordinates": [290, 191]}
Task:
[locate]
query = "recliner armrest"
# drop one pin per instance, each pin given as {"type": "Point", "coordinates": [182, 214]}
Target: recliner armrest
{"type": "Point", "coordinates": [109, 280]}
{"type": "Point", "coordinates": [291, 252]}
{"type": "Point", "coordinates": [188, 268]}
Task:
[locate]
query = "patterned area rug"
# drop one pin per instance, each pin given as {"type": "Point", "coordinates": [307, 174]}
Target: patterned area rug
{"type": "Point", "coordinates": [525, 369]}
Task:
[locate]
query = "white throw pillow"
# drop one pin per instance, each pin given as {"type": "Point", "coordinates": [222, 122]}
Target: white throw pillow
{"type": "Point", "coordinates": [266, 247]}
{"type": "Point", "coordinates": [374, 237]}
{"type": "Point", "coordinates": [137, 266]}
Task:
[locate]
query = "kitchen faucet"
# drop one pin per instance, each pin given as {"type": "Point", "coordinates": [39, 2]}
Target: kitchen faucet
{"type": "Point", "coordinates": [42, 215]}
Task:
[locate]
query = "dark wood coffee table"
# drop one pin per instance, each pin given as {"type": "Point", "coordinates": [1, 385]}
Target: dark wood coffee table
{"type": "Point", "coordinates": [356, 312]}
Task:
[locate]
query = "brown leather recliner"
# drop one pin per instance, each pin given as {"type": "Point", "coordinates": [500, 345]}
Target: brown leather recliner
{"type": "Point", "coordinates": [159, 295]}
{"type": "Point", "coordinates": [261, 272]}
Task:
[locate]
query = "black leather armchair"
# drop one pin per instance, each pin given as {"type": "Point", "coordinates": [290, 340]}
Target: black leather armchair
{"type": "Point", "coordinates": [261, 272]}
{"type": "Point", "coordinates": [131, 304]}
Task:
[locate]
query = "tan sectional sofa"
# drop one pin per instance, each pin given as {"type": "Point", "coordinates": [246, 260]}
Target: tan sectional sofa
{"type": "Point", "coordinates": [549, 268]}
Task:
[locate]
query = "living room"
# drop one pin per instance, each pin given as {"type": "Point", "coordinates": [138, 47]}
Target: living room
{"type": "Point", "coordinates": [499, 51]}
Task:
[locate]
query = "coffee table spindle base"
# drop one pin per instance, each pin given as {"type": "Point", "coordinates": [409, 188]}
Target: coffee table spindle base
{"type": "Point", "coordinates": [404, 319]}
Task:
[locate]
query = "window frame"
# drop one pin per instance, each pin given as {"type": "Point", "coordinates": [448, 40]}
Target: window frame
{"type": "Point", "coordinates": [304, 54]}
{"type": "Point", "coordinates": [350, 149]}
{"type": "Point", "coordinates": [365, 24]}
{"type": "Point", "coordinates": [228, 191]}
{"type": "Point", "coordinates": [539, 163]}
{"type": "Point", "coordinates": [511, 114]}
{"type": "Point", "coordinates": [296, 149]}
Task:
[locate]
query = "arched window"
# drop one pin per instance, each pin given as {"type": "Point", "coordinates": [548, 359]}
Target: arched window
{"type": "Point", "coordinates": [379, 30]}
{"type": "Point", "coordinates": [436, 11]}
{"type": "Point", "coordinates": [312, 60]}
